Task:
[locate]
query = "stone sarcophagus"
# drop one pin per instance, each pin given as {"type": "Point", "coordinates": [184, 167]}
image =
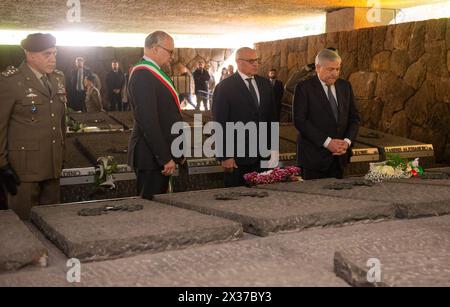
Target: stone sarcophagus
{"type": "Point", "coordinates": [111, 135]}
{"type": "Point", "coordinates": [95, 121]}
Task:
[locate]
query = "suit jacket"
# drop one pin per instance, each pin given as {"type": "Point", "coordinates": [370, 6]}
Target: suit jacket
{"type": "Point", "coordinates": [114, 80]}
{"type": "Point", "coordinates": [232, 102]}
{"type": "Point", "coordinates": [201, 78]}
{"type": "Point", "coordinates": [278, 91]}
{"type": "Point", "coordinates": [314, 120]}
{"type": "Point", "coordinates": [74, 76]}
{"type": "Point", "coordinates": [32, 124]}
{"type": "Point", "coordinates": [154, 112]}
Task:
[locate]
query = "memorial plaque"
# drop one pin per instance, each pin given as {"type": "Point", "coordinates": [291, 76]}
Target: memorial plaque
{"type": "Point", "coordinates": [388, 143]}
{"type": "Point", "coordinates": [275, 211]}
{"type": "Point", "coordinates": [417, 255]}
{"type": "Point", "coordinates": [113, 233]}
{"type": "Point", "coordinates": [409, 200]}
{"type": "Point", "coordinates": [18, 246]}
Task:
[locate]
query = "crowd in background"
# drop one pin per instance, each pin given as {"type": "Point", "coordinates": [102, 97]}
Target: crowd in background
{"type": "Point", "coordinates": [84, 88]}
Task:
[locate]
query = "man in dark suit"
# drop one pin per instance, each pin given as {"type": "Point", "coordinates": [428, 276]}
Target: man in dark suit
{"type": "Point", "coordinates": [115, 81]}
{"type": "Point", "coordinates": [326, 118]}
{"type": "Point", "coordinates": [278, 91]}
{"type": "Point", "coordinates": [77, 91]}
{"type": "Point", "coordinates": [156, 107]}
{"type": "Point", "coordinates": [247, 98]}
{"type": "Point", "coordinates": [201, 78]}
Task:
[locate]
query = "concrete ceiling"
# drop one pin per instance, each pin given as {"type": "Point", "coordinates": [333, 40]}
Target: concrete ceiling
{"type": "Point", "coordinates": [207, 17]}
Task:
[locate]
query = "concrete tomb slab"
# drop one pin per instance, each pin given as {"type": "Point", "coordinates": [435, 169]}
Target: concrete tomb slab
{"type": "Point", "coordinates": [409, 200]}
{"type": "Point", "coordinates": [127, 227]}
{"type": "Point", "coordinates": [414, 256]}
{"type": "Point", "coordinates": [278, 211]}
{"type": "Point", "coordinates": [18, 246]}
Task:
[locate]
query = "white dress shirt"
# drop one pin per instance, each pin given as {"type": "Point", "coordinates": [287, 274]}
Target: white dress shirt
{"type": "Point", "coordinates": [245, 77]}
{"type": "Point", "coordinates": [150, 60]}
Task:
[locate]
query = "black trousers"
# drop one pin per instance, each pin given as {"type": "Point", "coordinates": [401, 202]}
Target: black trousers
{"type": "Point", "coordinates": [77, 101]}
{"type": "Point", "coordinates": [236, 178]}
{"type": "Point", "coordinates": [201, 98]}
{"type": "Point", "coordinates": [116, 102]}
{"type": "Point", "coordinates": [151, 182]}
{"type": "Point", "coordinates": [334, 171]}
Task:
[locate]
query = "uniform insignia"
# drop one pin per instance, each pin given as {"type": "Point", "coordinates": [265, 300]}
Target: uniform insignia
{"type": "Point", "coordinates": [33, 109]}
{"type": "Point", "coordinates": [61, 88]}
{"type": "Point", "coordinates": [58, 72]}
{"type": "Point", "coordinates": [10, 71]}
{"type": "Point", "coordinates": [31, 95]}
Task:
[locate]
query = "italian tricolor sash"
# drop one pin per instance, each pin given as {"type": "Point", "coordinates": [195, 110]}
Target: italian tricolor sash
{"type": "Point", "coordinates": [161, 75]}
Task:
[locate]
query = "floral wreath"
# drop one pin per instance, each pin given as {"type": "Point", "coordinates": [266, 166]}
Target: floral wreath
{"type": "Point", "coordinates": [394, 167]}
{"type": "Point", "coordinates": [278, 174]}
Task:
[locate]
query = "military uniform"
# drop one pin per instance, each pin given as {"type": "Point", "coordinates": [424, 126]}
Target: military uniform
{"type": "Point", "coordinates": [93, 100]}
{"type": "Point", "coordinates": [32, 134]}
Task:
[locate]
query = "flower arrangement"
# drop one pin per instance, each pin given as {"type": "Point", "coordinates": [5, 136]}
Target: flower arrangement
{"type": "Point", "coordinates": [75, 126]}
{"type": "Point", "coordinates": [394, 167]}
{"type": "Point", "coordinates": [286, 174]}
{"type": "Point", "coordinates": [104, 172]}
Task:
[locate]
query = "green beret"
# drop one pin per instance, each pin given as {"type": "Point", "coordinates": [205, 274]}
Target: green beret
{"type": "Point", "coordinates": [38, 42]}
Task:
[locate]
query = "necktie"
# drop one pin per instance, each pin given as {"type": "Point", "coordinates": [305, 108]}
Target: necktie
{"type": "Point", "coordinates": [46, 84]}
{"type": "Point", "coordinates": [333, 103]}
{"type": "Point", "coordinates": [252, 90]}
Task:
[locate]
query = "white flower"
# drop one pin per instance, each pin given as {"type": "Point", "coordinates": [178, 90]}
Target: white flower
{"type": "Point", "coordinates": [267, 173]}
{"type": "Point", "coordinates": [415, 163]}
{"type": "Point", "coordinates": [109, 182]}
{"type": "Point", "coordinates": [388, 170]}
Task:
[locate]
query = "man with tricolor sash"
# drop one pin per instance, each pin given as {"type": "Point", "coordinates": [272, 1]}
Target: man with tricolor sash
{"type": "Point", "coordinates": [156, 107]}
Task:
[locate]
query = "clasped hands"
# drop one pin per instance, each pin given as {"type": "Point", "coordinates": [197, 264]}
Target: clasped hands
{"type": "Point", "coordinates": [169, 167]}
{"type": "Point", "coordinates": [338, 147]}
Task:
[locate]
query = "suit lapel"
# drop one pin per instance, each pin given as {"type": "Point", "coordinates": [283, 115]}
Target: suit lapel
{"type": "Point", "coordinates": [55, 85]}
{"type": "Point", "coordinates": [32, 81]}
{"type": "Point", "coordinates": [325, 102]}
{"type": "Point", "coordinates": [244, 89]}
{"type": "Point", "coordinates": [260, 84]}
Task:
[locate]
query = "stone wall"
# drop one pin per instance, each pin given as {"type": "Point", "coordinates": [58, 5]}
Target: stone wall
{"type": "Point", "coordinates": [399, 73]}
{"type": "Point", "coordinates": [99, 58]}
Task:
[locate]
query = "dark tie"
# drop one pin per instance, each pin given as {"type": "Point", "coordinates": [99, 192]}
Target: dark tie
{"type": "Point", "coordinates": [80, 86]}
{"type": "Point", "coordinates": [47, 84]}
{"type": "Point", "coordinates": [251, 88]}
{"type": "Point", "coordinates": [333, 103]}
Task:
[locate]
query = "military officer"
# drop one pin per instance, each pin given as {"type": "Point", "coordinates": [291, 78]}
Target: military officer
{"type": "Point", "coordinates": [32, 126]}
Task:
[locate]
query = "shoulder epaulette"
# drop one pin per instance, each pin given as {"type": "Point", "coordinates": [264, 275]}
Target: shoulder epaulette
{"type": "Point", "coordinates": [58, 72]}
{"type": "Point", "coordinates": [10, 71]}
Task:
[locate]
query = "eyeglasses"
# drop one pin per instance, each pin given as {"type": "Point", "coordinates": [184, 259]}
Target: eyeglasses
{"type": "Point", "coordinates": [251, 61]}
{"type": "Point", "coordinates": [168, 50]}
